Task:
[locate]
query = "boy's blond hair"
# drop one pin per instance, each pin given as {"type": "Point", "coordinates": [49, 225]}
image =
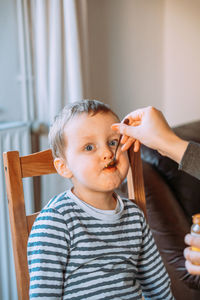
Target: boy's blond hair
{"type": "Point", "coordinates": [56, 133]}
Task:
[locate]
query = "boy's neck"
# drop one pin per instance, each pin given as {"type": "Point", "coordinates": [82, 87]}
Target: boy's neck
{"type": "Point", "coordinates": [104, 201]}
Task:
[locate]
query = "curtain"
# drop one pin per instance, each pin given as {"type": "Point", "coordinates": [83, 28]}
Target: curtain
{"type": "Point", "coordinates": [51, 76]}
{"type": "Point", "coordinates": [56, 56]}
{"type": "Point", "coordinates": [57, 71]}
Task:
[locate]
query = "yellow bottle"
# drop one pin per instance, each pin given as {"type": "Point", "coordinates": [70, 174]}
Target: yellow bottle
{"type": "Point", "coordinates": [195, 229]}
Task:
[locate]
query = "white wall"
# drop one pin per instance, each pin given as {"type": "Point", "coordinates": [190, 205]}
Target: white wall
{"type": "Point", "coordinates": [146, 52]}
{"type": "Point", "coordinates": [126, 52]}
{"type": "Point", "coordinates": [182, 61]}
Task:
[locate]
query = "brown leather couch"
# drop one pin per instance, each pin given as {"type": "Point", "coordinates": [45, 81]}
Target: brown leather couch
{"type": "Point", "coordinates": [172, 198]}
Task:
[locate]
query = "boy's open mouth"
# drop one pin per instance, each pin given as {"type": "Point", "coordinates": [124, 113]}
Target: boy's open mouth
{"type": "Point", "coordinates": [110, 165]}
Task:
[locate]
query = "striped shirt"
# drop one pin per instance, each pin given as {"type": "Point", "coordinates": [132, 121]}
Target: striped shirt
{"type": "Point", "coordinates": [78, 252]}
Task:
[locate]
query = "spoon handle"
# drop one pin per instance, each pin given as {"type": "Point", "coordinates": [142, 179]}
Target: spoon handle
{"type": "Point", "coordinates": [126, 121]}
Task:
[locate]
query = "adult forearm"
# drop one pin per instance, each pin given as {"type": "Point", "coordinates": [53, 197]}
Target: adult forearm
{"type": "Point", "coordinates": [173, 147]}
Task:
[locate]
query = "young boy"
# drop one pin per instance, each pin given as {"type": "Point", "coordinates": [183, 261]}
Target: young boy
{"type": "Point", "coordinates": [88, 243]}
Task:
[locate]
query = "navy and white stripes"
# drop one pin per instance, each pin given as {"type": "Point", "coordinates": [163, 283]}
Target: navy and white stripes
{"type": "Point", "coordinates": [75, 254]}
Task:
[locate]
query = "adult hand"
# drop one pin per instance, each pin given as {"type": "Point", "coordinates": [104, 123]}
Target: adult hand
{"type": "Point", "coordinates": [149, 127]}
{"type": "Point", "coordinates": [192, 257]}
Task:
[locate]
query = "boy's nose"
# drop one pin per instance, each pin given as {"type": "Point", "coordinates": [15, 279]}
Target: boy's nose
{"type": "Point", "coordinates": [107, 154]}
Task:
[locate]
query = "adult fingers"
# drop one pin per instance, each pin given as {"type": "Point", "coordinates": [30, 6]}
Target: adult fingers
{"type": "Point", "coordinates": [136, 146]}
{"type": "Point", "coordinates": [128, 135]}
{"type": "Point", "coordinates": [192, 269]}
{"type": "Point", "coordinates": [128, 144]}
{"type": "Point", "coordinates": [116, 127]}
{"type": "Point", "coordinates": [192, 240]}
{"type": "Point", "coordinates": [125, 129]}
{"type": "Point", "coordinates": [135, 115]}
{"type": "Point", "coordinates": [124, 139]}
{"type": "Point", "coordinates": [192, 256]}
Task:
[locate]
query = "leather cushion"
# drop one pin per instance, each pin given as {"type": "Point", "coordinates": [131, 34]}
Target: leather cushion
{"type": "Point", "coordinates": [185, 187]}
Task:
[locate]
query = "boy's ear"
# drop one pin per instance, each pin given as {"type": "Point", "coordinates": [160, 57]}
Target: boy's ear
{"type": "Point", "coordinates": [62, 168]}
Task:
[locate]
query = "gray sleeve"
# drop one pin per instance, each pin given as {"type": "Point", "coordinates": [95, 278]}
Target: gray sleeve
{"type": "Point", "coordinates": [190, 162]}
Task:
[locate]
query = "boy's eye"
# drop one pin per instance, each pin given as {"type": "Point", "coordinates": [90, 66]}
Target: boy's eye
{"type": "Point", "coordinates": [89, 147]}
{"type": "Point", "coordinates": [113, 143]}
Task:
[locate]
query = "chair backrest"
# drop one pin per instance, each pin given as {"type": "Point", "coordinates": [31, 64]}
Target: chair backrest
{"type": "Point", "coordinates": [37, 164]}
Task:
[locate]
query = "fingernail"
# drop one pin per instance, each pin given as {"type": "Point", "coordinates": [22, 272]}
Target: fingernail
{"type": "Point", "coordinates": [126, 121]}
{"type": "Point", "coordinates": [115, 126]}
{"type": "Point", "coordinates": [188, 239]}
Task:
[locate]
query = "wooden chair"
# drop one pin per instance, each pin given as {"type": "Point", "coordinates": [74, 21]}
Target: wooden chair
{"type": "Point", "coordinates": [37, 164]}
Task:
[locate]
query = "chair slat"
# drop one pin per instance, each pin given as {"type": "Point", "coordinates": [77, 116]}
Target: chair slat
{"type": "Point", "coordinates": [30, 220]}
{"type": "Point", "coordinates": [137, 179]}
{"type": "Point", "coordinates": [16, 205]}
{"type": "Point", "coordinates": [37, 164]}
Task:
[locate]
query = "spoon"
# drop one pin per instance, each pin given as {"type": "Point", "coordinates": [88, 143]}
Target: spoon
{"type": "Point", "coordinates": [114, 160]}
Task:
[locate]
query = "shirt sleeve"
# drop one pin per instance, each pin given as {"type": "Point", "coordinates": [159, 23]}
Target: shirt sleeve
{"type": "Point", "coordinates": [190, 162]}
{"type": "Point", "coordinates": [152, 274]}
{"type": "Point", "coordinates": [47, 255]}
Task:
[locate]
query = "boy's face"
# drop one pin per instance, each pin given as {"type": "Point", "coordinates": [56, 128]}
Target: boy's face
{"type": "Point", "coordinates": [90, 147]}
